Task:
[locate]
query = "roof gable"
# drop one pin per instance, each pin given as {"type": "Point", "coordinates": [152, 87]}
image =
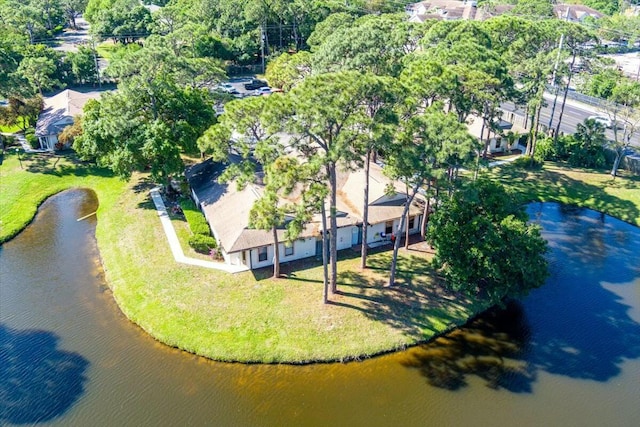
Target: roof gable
{"type": "Point", "coordinates": [60, 109]}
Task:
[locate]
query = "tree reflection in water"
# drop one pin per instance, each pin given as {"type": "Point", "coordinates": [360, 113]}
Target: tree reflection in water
{"type": "Point", "coordinates": [492, 347]}
{"type": "Point", "coordinates": [38, 381]}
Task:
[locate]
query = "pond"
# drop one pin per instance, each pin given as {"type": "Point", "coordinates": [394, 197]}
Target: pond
{"type": "Point", "coordinates": [567, 354]}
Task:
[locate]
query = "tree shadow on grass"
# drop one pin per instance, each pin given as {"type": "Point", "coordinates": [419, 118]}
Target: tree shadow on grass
{"type": "Point", "coordinates": [417, 305]}
{"type": "Point", "coordinates": [38, 381]}
{"type": "Point", "coordinates": [62, 165]}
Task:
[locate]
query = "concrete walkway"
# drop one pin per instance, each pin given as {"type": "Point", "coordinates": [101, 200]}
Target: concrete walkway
{"type": "Point", "coordinates": [23, 143]}
{"type": "Point", "coordinates": [174, 243]}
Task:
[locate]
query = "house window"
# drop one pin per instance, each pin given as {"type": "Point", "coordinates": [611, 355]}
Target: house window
{"type": "Point", "coordinates": [388, 227]}
{"type": "Point", "coordinates": [262, 254]}
{"type": "Point", "coordinates": [288, 249]}
{"type": "Point", "coordinates": [412, 223]}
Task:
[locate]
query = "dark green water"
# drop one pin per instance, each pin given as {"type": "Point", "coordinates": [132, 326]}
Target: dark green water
{"type": "Point", "coordinates": [568, 355]}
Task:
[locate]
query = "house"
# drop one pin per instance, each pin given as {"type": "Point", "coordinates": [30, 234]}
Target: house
{"type": "Point", "coordinates": [58, 113]}
{"type": "Point", "coordinates": [227, 208]}
{"type": "Point", "coordinates": [495, 140]}
{"type": "Point", "coordinates": [449, 10]}
{"type": "Point", "coordinates": [445, 10]}
{"type": "Point", "coordinates": [575, 12]}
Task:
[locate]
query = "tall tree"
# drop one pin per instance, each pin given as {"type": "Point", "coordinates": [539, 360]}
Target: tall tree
{"type": "Point", "coordinates": [381, 95]}
{"type": "Point", "coordinates": [152, 118]}
{"type": "Point", "coordinates": [40, 72]}
{"type": "Point", "coordinates": [287, 70]}
{"type": "Point", "coordinates": [375, 44]}
{"type": "Point", "coordinates": [424, 142]}
{"type": "Point", "coordinates": [72, 10]}
{"type": "Point", "coordinates": [83, 65]}
{"type": "Point", "coordinates": [27, 109]}
{"type": "Point", "coordinates": [245, 131]}
{"type": "Point", "coordinates": [325, 113]}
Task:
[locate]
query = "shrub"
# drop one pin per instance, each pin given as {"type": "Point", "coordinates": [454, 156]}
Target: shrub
{"type": "Point", "coordinates": [587, 157]}
{"type": "Point", "coordinates": [197, 222]}
{"type": "Point", "coordinates": [526, 162]}
{"type": "Point", "coordinates": [202, 244]}
{"type": "Point", "coordinates": [31, 138]}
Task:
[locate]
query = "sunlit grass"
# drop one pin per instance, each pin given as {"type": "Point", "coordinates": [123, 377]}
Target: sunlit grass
{"type": "Point", "coordinates": [13, 128]}
{"type": "Point", "coordinates": [26, 180]}
{"type": "Point", "coordinates": [251, 317]}
{"type": "Point", "coordinates": [592, 189]}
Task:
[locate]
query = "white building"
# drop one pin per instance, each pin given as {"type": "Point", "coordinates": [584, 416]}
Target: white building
{"type": "Point", "coordinates": [58, 113]}
{"type": "Point", "coordinates": [227, 211]}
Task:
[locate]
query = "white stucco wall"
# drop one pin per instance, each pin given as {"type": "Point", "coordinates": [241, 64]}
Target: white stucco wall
{"type": "Point", "coordinates": [302, 248]}
{"type": "Point", "coordinates": [344, 238]}
{"type": "Point", "coordinates": [375, 233]}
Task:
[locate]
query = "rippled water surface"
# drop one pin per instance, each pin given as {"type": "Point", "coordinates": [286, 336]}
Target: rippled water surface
{"type": "Point", "coordinates": [569, 354]}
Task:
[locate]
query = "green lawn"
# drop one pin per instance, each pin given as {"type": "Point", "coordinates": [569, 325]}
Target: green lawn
{"type": "Point", "coordinates": [107, 48]}
{"type": "Point", "coordinates": [249, 316]}
{"type": "Point", "coordinates": [13, 128]}
{"type": "Point", "coordinates": [591, 189]}
{"type": "Point", "coordinates": [25, 186]}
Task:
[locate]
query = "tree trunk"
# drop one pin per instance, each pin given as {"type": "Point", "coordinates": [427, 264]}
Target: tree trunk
{"type": "Point", "coordinates": [534, 138]}
{"type": "Point", "coordinates": [532, 131]}
{"type": "Point", "coordinates": [564, 99]}
{"type": "Point", "coordinates": [406, 228]}
{"type": "Point", "coordinates": [333, 238]}
{"type": "Point", "coordinates": [396, 244]}
{"type": "Point", "coordinates": [276, 254]}
{"type": "Point", "coordinates": [425, 215]}
{"type": "Point", "coordinates": [325, 265]}
{"type": "Point", "coordinates": [616, 164]}
{"type": "Point", "coordinates": [365, 212]}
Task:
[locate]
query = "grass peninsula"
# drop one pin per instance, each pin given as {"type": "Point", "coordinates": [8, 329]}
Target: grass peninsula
{"type": "Point", "coordinates": [250, 317]}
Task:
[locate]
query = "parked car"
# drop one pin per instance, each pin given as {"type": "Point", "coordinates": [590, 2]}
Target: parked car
{"type": "Point", "coordinates": [255, 84]}
{"type": "Point", "coordinates": [603, 120]}
{"type": "Point", "coordinates": [263, 91]}
{"type": "Point", "coordinates": [227, 88]}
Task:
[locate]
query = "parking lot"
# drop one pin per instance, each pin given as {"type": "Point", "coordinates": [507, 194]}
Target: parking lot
{"type": "Point", "coordinates": [236, 86]}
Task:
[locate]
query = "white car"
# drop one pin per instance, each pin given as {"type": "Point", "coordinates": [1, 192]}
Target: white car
{"type": "Point", "coordinates": [603, 120]}
{"type": "Point", "coordinates": [262, 91]}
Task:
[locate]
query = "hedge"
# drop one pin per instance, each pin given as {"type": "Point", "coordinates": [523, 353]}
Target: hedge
{"type": "Point", "coordinates": [197, 222]}
{"type": "Point", "coordinates": [202, 244]}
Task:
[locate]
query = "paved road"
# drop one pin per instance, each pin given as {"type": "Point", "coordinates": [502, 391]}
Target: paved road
{"type": "Point", "coordinates": [70, 39]}
{"type": "Point", "coordinates": [574, 113]}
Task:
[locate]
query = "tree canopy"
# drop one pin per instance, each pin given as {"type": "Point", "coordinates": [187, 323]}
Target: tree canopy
{"type": "Point", "coordinates": [484, 247]}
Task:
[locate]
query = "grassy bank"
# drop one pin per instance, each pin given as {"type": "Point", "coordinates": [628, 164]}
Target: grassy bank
{"type": "Point", "coordinates": [596, 190]}
{"type": "Point", "coordinates": [28, 180]}
{"type": "Point", "coordinates": [251, 317]}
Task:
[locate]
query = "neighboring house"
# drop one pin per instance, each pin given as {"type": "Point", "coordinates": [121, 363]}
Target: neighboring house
{"type": "Point", "coordinates": [446, 10]}
{"type": "Point", "coordinates": [58, 113]}
{"type": "Point", "coordinates": [227, 211]}
{"type": "Point", "coordinates": [497, 141]}
{"type": "Point", "coordinates": [575, 12]}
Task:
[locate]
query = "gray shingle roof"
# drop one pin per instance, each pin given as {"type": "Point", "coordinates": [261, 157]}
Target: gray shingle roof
{"type": "Point", "coordinates": [227, 208]}
{"type": "Point", "coordinates": [60, 109]}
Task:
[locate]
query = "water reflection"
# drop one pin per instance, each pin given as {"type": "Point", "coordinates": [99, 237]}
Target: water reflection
{"type": "Point", "coordinates": [573, 326]}
{"type": "Point", "coordinates": [39, 381]}
{"type": "Point", "coordinates": [493, 347]}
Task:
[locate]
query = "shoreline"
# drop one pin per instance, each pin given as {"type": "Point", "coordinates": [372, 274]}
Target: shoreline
{"type": "Point", "coordinates": [249, 317]}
